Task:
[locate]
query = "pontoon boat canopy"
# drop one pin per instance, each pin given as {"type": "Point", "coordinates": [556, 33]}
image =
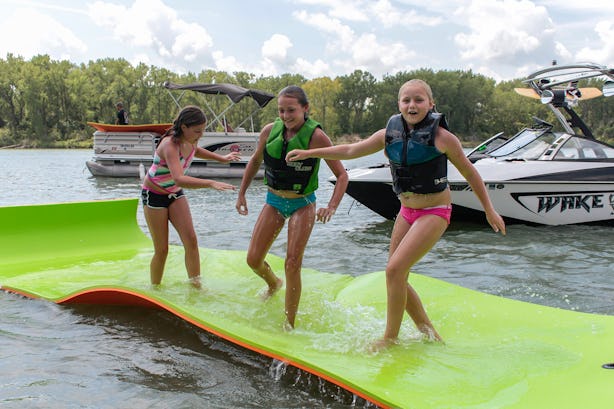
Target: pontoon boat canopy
{"type": "Point", "coordinates": [234, 92]}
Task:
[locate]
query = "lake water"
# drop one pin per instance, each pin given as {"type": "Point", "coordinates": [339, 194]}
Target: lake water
{"type": "Point", "coordinates": [112, 357]}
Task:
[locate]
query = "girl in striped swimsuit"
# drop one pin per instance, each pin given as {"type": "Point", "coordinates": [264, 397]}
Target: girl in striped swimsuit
{"type": "Point", "coordinates": [163, 196]}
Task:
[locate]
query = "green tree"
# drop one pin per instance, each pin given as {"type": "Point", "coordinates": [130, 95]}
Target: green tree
{"type": "Point", "coordinates": [322, 93]}
{"type": "Point", "coordinates": [354, 102]}
{"type": "Point", "coordinates": [47, 103]}
{"type": "Point", "coordinates": [12, 104]}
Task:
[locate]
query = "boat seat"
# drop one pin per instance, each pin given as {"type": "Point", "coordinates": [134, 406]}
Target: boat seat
{"type": "Point", "coordinates": [600, 153]}
{"type": "Point", "coordinates": [567, 153]}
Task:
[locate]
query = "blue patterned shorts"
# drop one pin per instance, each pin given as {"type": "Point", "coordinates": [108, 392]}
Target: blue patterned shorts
{"type": "Point", "coordinates": [287, 207]}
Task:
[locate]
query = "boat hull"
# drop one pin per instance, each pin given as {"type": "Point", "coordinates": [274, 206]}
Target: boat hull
{"type": "Point", "coordinates": [129, 154]}
{"type": "Point", "coordinates": [154, 128]}
{"type": "Point", "coordinates": [539, 203]}
{"type": "Point", "coordinates": [199, 169]}
{"type": "Point", "coordinates": [549, 201]}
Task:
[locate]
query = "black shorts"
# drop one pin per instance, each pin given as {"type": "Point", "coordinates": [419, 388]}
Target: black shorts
{"type": "Point", "coordinates": [157, 201]}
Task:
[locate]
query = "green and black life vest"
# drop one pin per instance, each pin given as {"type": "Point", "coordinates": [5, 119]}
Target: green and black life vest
{"type": "Point", "coordinates": [300, 176]}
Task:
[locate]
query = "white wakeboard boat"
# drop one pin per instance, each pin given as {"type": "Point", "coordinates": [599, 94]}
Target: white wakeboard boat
{"type": "Point", "coordinates": [538, 176]}
{"type": "Point", "coordinates": [128, 150]}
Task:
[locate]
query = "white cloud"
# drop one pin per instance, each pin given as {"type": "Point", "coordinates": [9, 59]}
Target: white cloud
{"type": "Point", "coordinates": [348, 11]}
{"type": "Point", "coordinates": [226, 63]}
{"type": "Point", "coordinates": [152, 24]}
{"type": "Point", "coordinates": [505, 31]}
{"type": "Point", "coordinates": [366, 51]}
{"type": "Point", "coordinates": [41, 35]}
{"type": "Point", "coordinates": [341, 9]}
{"type": "Point", "coordinates": [276, 48]}
{"type": "Point", "coordinates": [385, 13]}
{"type": "Point", "coordinates": [390, 16]}
{"type": "Point", "coordinates": [592, 6]}
{"type": "Point", "coordinates": [605, 53]}
{"type": "Point", "coordinates": [311, 69]}
{"type": "Point", "coordinates": [351, 51]}
{"type": "Point", "coordinates": [562, 51]}
{"type": "Point", "coordinates": [327, 25]}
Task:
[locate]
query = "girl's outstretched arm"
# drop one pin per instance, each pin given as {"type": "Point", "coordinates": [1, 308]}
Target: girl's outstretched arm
{"type": "Point", "coordinates": [365, 147]}
{"type": "Point", "coordinates": [169, 151]}
{"type": "Point", "coordinates": [203, 153]}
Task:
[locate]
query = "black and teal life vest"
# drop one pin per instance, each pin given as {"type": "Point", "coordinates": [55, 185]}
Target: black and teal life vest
{"type": "Point", "coordinates": [300, 176]}
{"type": "Point", "coordinates": [415, 163]}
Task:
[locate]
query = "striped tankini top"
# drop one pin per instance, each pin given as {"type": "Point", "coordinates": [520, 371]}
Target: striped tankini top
{"type": "Point", "coordinates": [160, 175]}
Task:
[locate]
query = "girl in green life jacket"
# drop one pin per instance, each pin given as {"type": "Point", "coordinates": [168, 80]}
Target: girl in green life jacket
{"type": "Point", "coordinates": [291, 193]}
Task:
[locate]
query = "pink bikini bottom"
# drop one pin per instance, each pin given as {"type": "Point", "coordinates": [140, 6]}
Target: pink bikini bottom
{"type": "Point", "coordinates": [411, 215]}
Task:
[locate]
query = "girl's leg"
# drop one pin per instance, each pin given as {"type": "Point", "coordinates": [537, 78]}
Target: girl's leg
{"type": "Point", "coordinates": [181, 217]}
{"type": "Point", "coordinates": [299, 229]}
{"type": "Point", "coordinates": [266, 230]}
{"type": "Point", "coordinates": [416, 311]}
{"type": "Point", "coordinates": [407, 246]}
{"type": "Point", "coordinates": [157, 223]}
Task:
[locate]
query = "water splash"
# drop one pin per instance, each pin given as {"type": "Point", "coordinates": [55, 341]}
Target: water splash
{"type": "Point", "coordinates": [283, 373]}
{"type": "Point", "coordinates": [277, 369]}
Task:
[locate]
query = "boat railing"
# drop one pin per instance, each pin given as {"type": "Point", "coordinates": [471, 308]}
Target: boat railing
{"type": "Point", "coordinates": [557, 87]}
{"type": "Point", "coordinates": [234, 94]}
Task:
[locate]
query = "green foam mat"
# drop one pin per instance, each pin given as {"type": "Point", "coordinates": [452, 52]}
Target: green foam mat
{"type": "Point", "coordinates": [498, 353]}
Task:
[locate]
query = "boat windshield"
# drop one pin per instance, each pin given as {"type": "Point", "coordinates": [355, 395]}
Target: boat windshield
{"type": "Point", "coordinates": [483, 150]}
{"type": "Point", "coordinates": [586, 149]}
{"type": "Point", "coordinates": [528, 144]}
{"type": "Point", "coordinates": [490, 144]}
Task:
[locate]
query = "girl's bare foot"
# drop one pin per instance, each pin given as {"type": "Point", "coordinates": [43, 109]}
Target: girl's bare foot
{"type": "Point", "coordinates": [195, 282]}
{"type": "Point", "coordinates": [382, 344]}
{"type": "Point", "coordinates": [269, 292]}
{"type": "Point", "coordinates": [287, 327]}
{"type": "Point", "coordinates": [429, 333]}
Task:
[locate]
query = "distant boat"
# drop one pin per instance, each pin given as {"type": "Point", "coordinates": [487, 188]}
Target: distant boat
{"type": "Point", "coordinates": [538, 176]}
{"type": "Point", "coordinates": [121, 150]}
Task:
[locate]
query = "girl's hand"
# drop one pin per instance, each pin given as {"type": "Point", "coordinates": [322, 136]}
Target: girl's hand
{"type": "Point", "coordinates": [324, 214]}
{"type": "Point", "coordinates": [496, 222]}
{"type": "Point", "coordinates": [241, 205]}
{"type": "Point", "coordinates": [232, 157]}
{"type": "Point", "coordinates": [223, 186]}
{"type": "Point", "coordinates": [296, 154]}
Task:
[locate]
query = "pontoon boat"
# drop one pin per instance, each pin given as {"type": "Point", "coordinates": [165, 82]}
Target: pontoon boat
{"type": "Point", "coordinates": [127, 150]}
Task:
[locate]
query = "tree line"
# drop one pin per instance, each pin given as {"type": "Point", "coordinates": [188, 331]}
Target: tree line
{"type": "Point", "coordinates": [47, 103]}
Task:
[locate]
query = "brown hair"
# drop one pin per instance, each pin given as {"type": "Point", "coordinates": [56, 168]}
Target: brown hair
{"type": "Point", "coordinates": [294, 91]}
{"type": "Point", "coordinates": [189, 116]}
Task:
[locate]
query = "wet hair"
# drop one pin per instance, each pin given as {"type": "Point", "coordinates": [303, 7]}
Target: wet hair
{"type": "Point", "coordinates": [415, 81]}
{"type": "Point", "coordinates": [294, 91]}
{"type": "Point", "coordinates": [189, 116]}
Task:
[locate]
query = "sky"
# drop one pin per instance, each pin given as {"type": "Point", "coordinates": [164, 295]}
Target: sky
{"type": "Point", "coordinates": [501, 39]}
